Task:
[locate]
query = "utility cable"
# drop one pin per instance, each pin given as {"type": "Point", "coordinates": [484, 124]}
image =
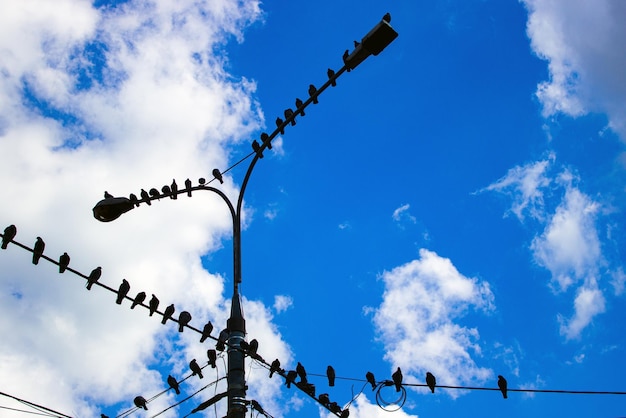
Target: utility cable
{"type": "Point", "coordinates": [49, 411]}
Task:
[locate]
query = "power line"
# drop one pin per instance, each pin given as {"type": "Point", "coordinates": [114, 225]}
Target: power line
{"type": "Point", "coordinates": [49, 411]}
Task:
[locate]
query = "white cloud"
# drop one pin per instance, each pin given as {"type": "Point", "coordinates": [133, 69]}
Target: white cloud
{"type": "Point", "coordinates": [589, 302]}
{"type": "Point", "coordinates": [282, 303]}
{"type": "Point", "coordinates": [402, 214]}
{"type": "Point", "coordinates": [583, 44]}
{"type": "Point", "coordinates": [417, 320]}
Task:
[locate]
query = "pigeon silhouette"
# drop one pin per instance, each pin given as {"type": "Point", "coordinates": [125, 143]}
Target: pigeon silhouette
{"type": "Point", "coordinates": [38, 250]}
{"type": "Point", "coordinates": [206, 331]}
{"type": "Point", "coordinates": [254, 346]}
{"type": "Point", "coordinates": [370, 379]}
{"type": "Point", "coordinates": [94, 276]}
{"type": "Point", "coordinates": [397, 379]}
{"type": "Point", "coordinates": [288, 114]}
{"type": "Point", "coordinates": [330, 373]}
{"type": "Point", "coordinates": [107, 195]}
{"type": "Point", "coordinates": [153, 304]}
{"type": "Point", "coordinates": [265, 138]}
{"type": "Point", "coordinates": [183, 319]}
{"type": "Point", "coordinates": [154, 193]}
{"type": "Point", "coordinates": [9, 233]}
{"type": "Point", "coordinates": [212, 355]}
{"type": "Point", "coordinates": [174, 189]}
{"type": "Point", "coordinates": [166, 190]}
{"type": "Point", "coordinates": [431, 381]}
{"type": "Point", "coordinates": [171, 380]}
{"type": "Point", "coordinates": [221, 340]}
{"type": "Point", "coordinates": [299, 107]}
{"type": "Point", "coordinates": [140, 402]}
{"type": "Point", "coordinates": [279, 125]}
{"type": "Point", "coordinates": [202, 180]}
{"type": "Point", "coordinates": [324, 399]}
{"type": "Point", "coordinates": [313, 93]}
{"type": "Point", "coordinates": [169, 311]}
{"type": "Point", "coordinates": [141, 296]}
{"type": "Point", "coordinates": [145, 197]}
{"type": "Point", "coordinates": [188, 187]}
{"type": "Point", "coordinates": [256, 147]}
{"type": "Point", "coordinates": [301, 372]}
{"type": "Point", "coordinates": [195, 369]}
{"type": "Point", "coordinates": [274, 367]}
{"type": "Point", "coordinates": [122, 291]}
{"type": "Point", "coordinates": [387, 17]}
{"type": "Point", "coordinates": [331, 75]}
{"type": "Point", "coordinates": [64, 261]}
{"type": "Point", "coordinates": [133, 199]}
{"type": "Point", "coordinates": [291, 377]}
{"type": "Point", "coordinates": [216, 173]}
{"type": "Point", "coordinates": [502, 384]}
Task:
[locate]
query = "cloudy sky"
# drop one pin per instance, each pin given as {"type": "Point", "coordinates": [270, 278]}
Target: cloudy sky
{"type": "Point", "coordinates": [454, 205]}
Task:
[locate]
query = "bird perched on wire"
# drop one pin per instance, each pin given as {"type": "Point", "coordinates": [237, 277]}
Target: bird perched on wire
{"type": "Point", "coordinates": [324, 399]}
{"type": "Point", "coordinates": [274, 367]}
{"type": "Point", "coordinates": [145, 197]}
{"type": "Point", "coordinates": [503, 385]}
{"type": "Point", "coordinates": [331, 75]}
{"type": "Point", "coordinates": [397, 379]}
{"type": "Point", "coordinates": [279, 125]}
{"type": "Point", "coordinates": [299, 107]}
{"type": "Point", "coordinates": [183, 319]}
{"type": "Point", "coordinates": [140, 402]}
{"type": "Point", "coordinates": [216, 173]}
{"type": "Point", "coordinates": [64, 261]}
{"type": "Point", "coordinates": [188, 187]}
{"type": "Point", "coordinates": [288, 114]}
{"type": "Point", "coordinates": [9, 233]}
{"type": "Point", "coordinates": [265, 138]}
{"type": "Point", "coordinates": [171, 380]}
{"type": "Point", "coordinates": [154, 193]}
{"type": "Point", "coordinates": [174, 189]}
{"type": "Point", "coordinates": [153, 304]}
{"type": "Point", "coordinates": [330, 373]}
{"type": "Point", "coordinates": [254, 346]}
{"type": "Point", "coordinates": [195, 369]}
{"type": "Point", "coordinates": [133, 199]}
{"type": "Point", "coordinates": [206, 331]}
{"type": "Point", "coordinates": [122, 291]}
{"type": "Point", "coordinates": [431, 381]}
{"type": "Point", "coordinates": [94, 276]}
{"type": "Point", "coordinates": [221, 340]}
{"type": "Point", "coordinates": [166, 190]}
{"type": "Point", "coordinates": [313, 93]}
{"type": "Point", "coordinates": [141, 296]}
{"type": "Point", "coordinates": [370, 379]}
{"type": "Point", "coordinates": [212, 356]}
{"type": "Point", "coordinates": [38, 250]}
{"type": "Point", "coordinates": [256, 147]}
{"type": "Point", "coordinates": [301, 372]}
{"type": "Point", "coordinates": [167, 314]}
{"type": "Point", "coordinates": [291, 378]}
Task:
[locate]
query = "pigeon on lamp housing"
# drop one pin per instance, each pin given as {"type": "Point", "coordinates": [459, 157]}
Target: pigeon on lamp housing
{"type": "Point", "coordinates": [174, 189]}
{"type": "Point", "coordinates": [212, 356]}
{"type": "Point", "coordinates": [183, 320]}
{"type": "Point", "coordinates": [331, 75]}
{"type": "Point", "coordinates": [145, 197]}
{"type": "Point", "coordinates": [324, 399]}
{"type": "Point", "coordinates": [265, 138]}
{"type": "Point", "coordinates": [188, 187]}
{"type": "Point", "coordinates": [301, 372]}
{"type": "Point", "coordinates": [387, 17]}
{"type": "Point", "coordinates": [299, 107]}
{"type": "Point", "coordinates": [216, 173]}
{"type": "Point", "coordinates": [94, 276]}
{"type": "Point", "coordinates": [206, 331]}
{"type": "Point", "coordinates": [313, 93]}
{"type": "Point", "coordinates": [397, 379]}
{"type": "Point", "coordinates": [9, 233]}
{"type": "Point", "coordinates": [431, 381]}
{"type": "Point", "coordinates": [330, 373]}
{"type": "Point", "coordinates": [288, 114]}
{"type": "Point", "coordinates": [133, 199]}
{"type": "Point", "coordinates": [64, 261]}
{"type": "Point", "coordinates": [153, 304]}
{"type": "Point", "coordinates": [502, 384]}
{"type": "Point", "coordinates": [171, 380]}
{"type": "Point", "coordinates": [141, 296]}
{"type": "Point", "coordinates": [370, 379]}
{"type": "Point", "coordinates": [291, 378]}
{"type": "Point", "coordinates": [38, 250]}
{"type": "Point", "coordinates": [257, 148]}
{"type": "Point", "coordinates": [122, 291]}
{"type": "Point", "coordinates": [154, 193]}
{"type": "Point", "coordinates": [274, 367]}
{"type": "Point", "coordinates": [107, 195]}
{"type": "Point", "coordinates": [140, 402]}
{"type": "Point", "coordinates": [195, 369]}
{"type": "Point", "coordinates": [169, 311]}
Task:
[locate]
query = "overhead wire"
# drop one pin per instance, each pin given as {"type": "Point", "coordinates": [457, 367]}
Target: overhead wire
{"type": "Point", "coordinates": [44, 409]}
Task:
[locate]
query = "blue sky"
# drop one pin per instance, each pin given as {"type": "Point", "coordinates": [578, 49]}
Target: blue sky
{"type": "Point", "coordinates": [453, 205]}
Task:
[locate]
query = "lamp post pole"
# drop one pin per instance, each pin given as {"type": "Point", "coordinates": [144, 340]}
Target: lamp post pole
{"type": "Point", "coordinates": [111, 208]}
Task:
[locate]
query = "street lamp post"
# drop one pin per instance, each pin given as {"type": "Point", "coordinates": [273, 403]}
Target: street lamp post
{"type": "Point", "coordinates": [111, 208]}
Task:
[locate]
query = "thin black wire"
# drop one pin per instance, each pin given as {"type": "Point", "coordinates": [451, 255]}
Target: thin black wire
{"type": "Point", "coordinates": [27, 412]}
{"type": "Point", "coordinates": [36, 406]}
{"type": "Point", "coordinates": [189, 397]}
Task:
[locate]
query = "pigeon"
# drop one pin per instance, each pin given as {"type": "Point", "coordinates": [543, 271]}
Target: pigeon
{"type": "Point", "coordinates": [122, 291]}
{"type": "Point", "coordinates": [93, 277]}
{"type": "Point", "coordinates": [288, 114]}
{"type": "Point", "coordinates": [154, 193]}
{"type": "Point", "coordinates": [257, 148]}
{"type": "Point", "coordinates": [166, 190]}
{"type": "Point", "coordinates": [330, 373]}
{"type": "Point", "coordinates": [345, 413]}
{"type": "Point", "coordinates": [188, 187]}
{"type": "Point", "coordinates": [171, 380]}
{"type": "Point", "coordinates": [279, 125]}
{"type": "Point", "coordinates": [202, 180]}
{"type": "Point", "coordinates": [334, 407]}
{"type": "Point", "coordinates": [38, 250]}
{"type": "Point", "coordinates": [291, 378]}
{"type": "Point", "coordinates": [169, 311]}
{"type": "Point", "coordinates": [331, 75]}
{"type": "Point", "coordinates": [503, 386]}
{"type": "Point", "coordinates": [216, 173]}
{"type": "Point", "coordinates": [254, 346]}
{"type": "Point", "coordinates": [324, 399]}
{"type": "Point", "coordinates": [174, 189]}
{"type": "Point", "coordinates": [212, 355]}
{"type": "Point", "coordinates": [371, 380]}
{"type": "Point", "coordinates": [265, 138]}
{"type": "Point", "coordinates": [107, 195]}
{"type": "Point", "coordinates": [183, 319]}
{"type": "Point", "coordinates": [64, 261]}
{"type": "Point", "coordinates": [431, 381]}
{"type": "Point", "coordinates": [387, 17]}
{"type": "Point", "coordinates": [397, 379]}
{"type": "Point", "coordinates": [145, 196]}
{"type": "Point", "coordinates": [258, 407]}
{"type": "Point", "coordinates": [206, 332]}
{"type": "Point", "coordinates": [141, 296]}
{"type": "Point", "coordinates": [9, 233]}
{"type": "Point", "coordinates": [104, 416]}
{"type": "Point", "coordinates": [221, 340]}
{"type": "Point", "coordinates": [153, 304]}
{"type": "Point", "coordinates": [313, 93]}
{"type": "Point", "coordinates": [301, 372]}
{"type": "Point", "coordinates": [195, 369]}
{"type": "Point", "coordinates": [299, 104]}
{"type": "Point", "coordinates": [274, 367]}
{"type": "Point", "coordinates": [140, 402]}
{"type": "Point", "coordinates": [133, 199]}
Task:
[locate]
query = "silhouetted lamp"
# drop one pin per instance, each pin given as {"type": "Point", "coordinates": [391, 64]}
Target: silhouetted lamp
{"type": "Point", "coordinates": [373, 43]}
{"type": "Point", "coordinates": [111, 208]}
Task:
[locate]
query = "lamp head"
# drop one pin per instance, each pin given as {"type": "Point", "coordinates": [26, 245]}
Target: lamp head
{"type": "Point", "coordinates": [111, 208]}
{"type": "Point", "coordinates": [373, 43]}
